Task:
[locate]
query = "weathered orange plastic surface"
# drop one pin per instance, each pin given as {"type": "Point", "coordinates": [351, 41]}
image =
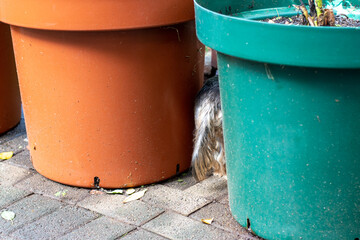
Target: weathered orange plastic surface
{"type": "Point", "coordinates": [10, 105]}
{"type": "Point", "coordinates": [117, 105]}
{"type": "Point", "coordinates": [95, 14]}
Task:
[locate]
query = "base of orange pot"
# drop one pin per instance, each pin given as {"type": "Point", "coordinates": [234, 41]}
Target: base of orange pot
{"type": "Point", "coordinates": [110, 105]}
{"type": "Point", "coordinates": [10, 104]}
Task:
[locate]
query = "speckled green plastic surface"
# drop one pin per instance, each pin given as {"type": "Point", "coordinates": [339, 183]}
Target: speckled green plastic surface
{"type": "Point", "coordinates": [291, 121]}
{"type": "Point", "coordinates": [224, 25]}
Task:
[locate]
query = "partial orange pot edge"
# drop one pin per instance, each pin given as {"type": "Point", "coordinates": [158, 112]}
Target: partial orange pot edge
{"type": "Point", "coordinates": [109, 15]}
{"type": "Point", "coordinates": [10, 104]}
{"type": "Point", "coordinates": [114, 105]}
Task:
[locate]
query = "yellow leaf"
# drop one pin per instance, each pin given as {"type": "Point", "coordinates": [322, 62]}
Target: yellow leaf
{"type": "Point", "coordinates": [6, 155]}
{"type": "Point", "coordinates": [135, 196]}
{"type": "Point", "coordinates": [207, 221]}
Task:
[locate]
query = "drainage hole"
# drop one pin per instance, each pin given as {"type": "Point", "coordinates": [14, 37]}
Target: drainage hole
{"type": "Point", "coordinates": [248, 224]}
{"type": "Point", "coordinates": [177, 168]}
{"type": "Point", "coordinates": [96, 182]}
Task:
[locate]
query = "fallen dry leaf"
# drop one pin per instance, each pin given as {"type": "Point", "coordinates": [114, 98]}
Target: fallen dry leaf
{"type": "Point", "coordinates": [61, 193]}
{"type": "Point", "coordinates": [207, 221]}
{"type": "Point", "coordinates": [96, 192]}
{"type": "Point", "coordinates": [6, 155]}
{"type": "Point", "coordinates": [135, 196]}
{"type": "Point", "coordinates": [8, 215]}
{"type": "Point", "coordinates": [116, 191]}
{"type": "Point", "coordinates": [130, 191]}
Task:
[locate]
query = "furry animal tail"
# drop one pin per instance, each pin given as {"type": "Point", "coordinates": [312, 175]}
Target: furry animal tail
{"type": "Point", "coordinates": [208, 155]}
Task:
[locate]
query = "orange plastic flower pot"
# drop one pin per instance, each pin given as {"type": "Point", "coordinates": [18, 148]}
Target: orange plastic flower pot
{"type": "Point", "coordinates": [10, 104]}
{"type": "Point", "coordinates": [110, 105]}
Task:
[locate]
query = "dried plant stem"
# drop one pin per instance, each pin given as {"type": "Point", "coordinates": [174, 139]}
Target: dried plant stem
{"type": "Point", "coordinates": [303, 9]}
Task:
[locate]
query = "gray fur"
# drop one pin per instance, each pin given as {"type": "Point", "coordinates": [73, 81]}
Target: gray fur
{"type": "Point", "coordinates": [208, 155]}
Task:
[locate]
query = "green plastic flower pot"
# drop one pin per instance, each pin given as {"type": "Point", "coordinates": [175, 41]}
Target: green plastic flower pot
{"type": "Point", "coordinates": [291, 105]}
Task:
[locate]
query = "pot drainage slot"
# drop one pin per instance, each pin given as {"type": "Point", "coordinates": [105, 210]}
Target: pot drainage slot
{"type": "Point", "coordinates": [248, 224]}
{"type": "Point", "coordinates": [96, 182]}
{"type": "Point", "coordinates": [177, 169]}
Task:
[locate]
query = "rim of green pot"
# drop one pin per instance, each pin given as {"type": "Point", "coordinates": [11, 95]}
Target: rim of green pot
{"type": "Point", "coordinates": [232, 31]}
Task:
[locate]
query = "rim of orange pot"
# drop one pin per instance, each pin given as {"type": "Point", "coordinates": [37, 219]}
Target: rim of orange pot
{"type": "Point", "coordinates": [95, 14]}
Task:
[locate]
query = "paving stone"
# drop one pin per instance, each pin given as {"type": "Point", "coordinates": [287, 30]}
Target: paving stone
{"type": "Point", "coordinates": [27, 210]}
{"type": "Point", "coordinates": [22, 159]}
{"type": "Point", "coordinates": [142, 234]}
{"type": "Point", "coordinates": [181, 182]}
{"type": "Point", "coordinates": [174, 199]}
{"type": "Point", "coordinates": [101, 228]}
{"type": "Point", "coordinates": [222, 217]}
{"type": "Point", "coordinates": [211, 188]}
{"type": "Point", "coordinates": [16, 145]}
{"type": "Point", "coordinates": [10, 194]}
{"type": "Point", "coordinates": [224, 200]}
{"type": "Point", "coordinates": [13, 133]}
{"type": "Point", "coordinates": [10, 174]}
{"type": "Point", "coordinates": [55, 224]}
{"type": "Point", "coordinates": [135, 212]}
{"type": "Point", "coordinates": [176, 226]}
{"type": "Point", "coordinates": [44, 186]}
{"type": "Point", "coordinates": [7, 238]}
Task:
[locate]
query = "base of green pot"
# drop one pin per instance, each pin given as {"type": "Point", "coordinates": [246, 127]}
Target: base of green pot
{"type": "Point", "coordinates": [292, 140]}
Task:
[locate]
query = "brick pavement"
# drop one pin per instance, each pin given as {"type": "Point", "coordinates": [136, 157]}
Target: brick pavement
{"type": "Point", "coordinates": [172, 209]}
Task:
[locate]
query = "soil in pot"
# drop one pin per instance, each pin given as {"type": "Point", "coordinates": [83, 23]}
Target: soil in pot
{"type": "Point", "coordinates": [316, 14]}
{"type": "Point", "coordinates": [341, 20]}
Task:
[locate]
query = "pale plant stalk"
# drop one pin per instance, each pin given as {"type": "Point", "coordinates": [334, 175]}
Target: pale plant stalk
{"type": "Point", "coordinates": [319, 7]}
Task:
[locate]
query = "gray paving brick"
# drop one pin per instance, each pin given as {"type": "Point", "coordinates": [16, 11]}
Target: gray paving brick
{"type": "Point", "coordinates": [135, 212]}
{"type": "Point", "coordinates": [10, 174]}
{"type": "Point", "coordinates": [55, 224]}
{"type": "Point", "coordinates": [16, 145]}
{"type": "Point", "coordinates": [222, 217]}
{"type": "Point", "coordinates": [13, 133]}
{"type": "Point", "coordinates": [27, 210]}
{"type": "Point", "coordinates": [21, 159]}
{"type": "Point", "coordinates": [224, 200]}
{"type": "Point", "coordinates": [101, 228]}
{"type": "Point", "coordinates": [10, 194]}
{"type": "Point", "coordinates": [44, 186]}
{"type": "Point", "coordinates": [7, 238]}
{"type": "Point", "coordinates": [181, 182]}
{"type": "Point", "coordinates": [176, 226]}
{"type": "Point", "coordinates": [142, 234]}
{"type": "Point", "coordinates": [174, 199]}
{"type": "Point", "coordinates": [211, 188]}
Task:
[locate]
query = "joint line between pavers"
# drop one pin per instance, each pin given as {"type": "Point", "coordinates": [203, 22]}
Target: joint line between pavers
{"type": "Point", "coordinates": [31, 173]}
{"type": "Point", "coordinates": [32, 220]}
{"type": "Point", "coordinates": [81, 225]}
{"type": "Point", "coordinates": [18, 151]}
{"type": "Point", "coordinates": [17, 200]}
{"type": "Point", "coordinates": [143, 223]}
{"type": "Point", "coordinates": [31, 170]}
{"type": "Point", "coordinates": [199, 208]}
{"type": "Point", "coordinates": [158, 234]}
